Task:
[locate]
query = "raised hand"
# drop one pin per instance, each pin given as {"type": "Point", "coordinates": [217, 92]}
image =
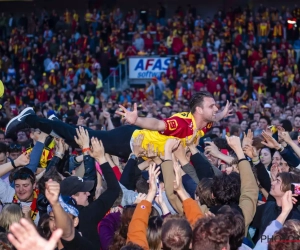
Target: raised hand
{"type": "Point", "coordinates": [151, 152]}
{"type": "Point", "coordinates": [140, 198]}
{"type": "Point", "coordinates": [137, 145]}
{"type": "Point", "coordinates": [172, 144]}
{"type": "Point", "coordinates": [287, 202]}
{"type": "Point", "coordinates": [269, 141]}
{"type": "Point", "coordinates": [52, 191]}
{"type": "Point", "coordinates": [82, 138]}
{"type": "Point", "coordinates": [212, 149]}
{"type": "Point", "coordinates": [250, 151]}
{"type": "Point", "coordinates": [22, 160]}
{"type": "Point", "coordinates": [227, 111]}
{"type": "Point", "coordinates": [248, 138]}
{"type": "Point", "coordinates": [274, 170]}
{"type": "Point", "coordinates": [153, 175]}
{"type": "Point", "coordinates": [193, 139]}
{"type": "Point", "coordinates": [234, 142]}
{"type": "Point", "coordinates": [129, 116]}
{"type": "Point", "coordinates": [97, 150]}
{"type": "Point", "coordinates": [106, 115]}
{"type": "Point", "coordinates": [24, 236]}
{"type": "Point", "coordinates": [285, 136]}
{"type": "Point", "coordinates": [26, 210]}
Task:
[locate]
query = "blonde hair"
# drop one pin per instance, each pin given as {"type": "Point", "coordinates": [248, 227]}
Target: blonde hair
{"type": "Point", "coordinates": [10, 213]}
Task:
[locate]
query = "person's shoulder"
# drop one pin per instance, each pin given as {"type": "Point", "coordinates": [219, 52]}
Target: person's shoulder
{"type": "Point", "coordinates": [183, 115]}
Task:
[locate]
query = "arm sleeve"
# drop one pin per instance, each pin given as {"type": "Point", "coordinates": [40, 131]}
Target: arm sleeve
{"type": "Point", "coordinates": [137, 230]}
{"type": "Point", "coordinates": [6, 192]}
{"type": "Point", "coordinates": [190, 170]}
{"type": "Point", "coordinates": [263, 176]}
{"type": "Point", "coordinates": [128, 197]}
{"type": "Point", "coordinates": [189, 185]}
{"type": "Point", "coordinates": [98, 208]}
{"type": "Point", "coordinates": [249, 192]}
{"type": "Point", "coordinates": [169, 176]}
{"type": "Point", "coordinates": [89, 168]}
{"type": "Point", "coordinates": [289, 156]}
{"type": "Point", "coordinates": [192, 211]}
{"type": "Point", "coordinates": [128, 175]}
{"type": "Point", "coordinates": [262, 244]}
{"type": "Point", "coordinates": [175, 126]}
{"type": "Point", "coordinates": [35, 156]}
{"type": "Point", "coordinates": [53, 163]}
{"type": "Point", "coordinates": [202, 166]}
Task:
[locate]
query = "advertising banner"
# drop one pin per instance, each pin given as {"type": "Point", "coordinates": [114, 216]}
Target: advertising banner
{"type": "Point", "coordinates": [147, 67]}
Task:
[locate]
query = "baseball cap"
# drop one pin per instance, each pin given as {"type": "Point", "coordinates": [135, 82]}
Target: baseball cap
{"type": "Point", "coordinates": [68, 204]}
{"type": "Point", "coordinates": [267, 106]}
{"type": "Point", "coordinates": [74, 184]}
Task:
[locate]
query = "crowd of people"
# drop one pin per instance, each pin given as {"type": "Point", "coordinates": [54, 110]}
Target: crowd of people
{"type": "Point", "coordinates": [207, 156]}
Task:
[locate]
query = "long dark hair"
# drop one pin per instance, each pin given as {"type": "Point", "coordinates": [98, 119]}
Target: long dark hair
{"type": "Point", "coordinates": [120, 236]}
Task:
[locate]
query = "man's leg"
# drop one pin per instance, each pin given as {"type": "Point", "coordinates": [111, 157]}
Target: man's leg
{"type": "Point", "coordinates": [116, 141]}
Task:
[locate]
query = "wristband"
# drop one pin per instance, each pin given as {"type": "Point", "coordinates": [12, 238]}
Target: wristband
{"type": "Point", "coordinates": [281, 148]}
{"type": "Point", "coordinates": [85, 150]}
{"type": "Point", "coordinates": [243, 159]}
{"type": "Point", "coordinates": [133, 157]}
{"type": "Point", "coordinates": [12, 163]}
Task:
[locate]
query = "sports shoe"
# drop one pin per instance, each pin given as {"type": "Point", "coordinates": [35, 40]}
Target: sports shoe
{"type": "Point", "coordinates": [53, 118]}
{"type": "Point", "coordinates": [18, 122]}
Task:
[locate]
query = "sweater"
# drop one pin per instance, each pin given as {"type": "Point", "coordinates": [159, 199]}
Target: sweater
{"type": "Point", "coordinates": [91, 215]}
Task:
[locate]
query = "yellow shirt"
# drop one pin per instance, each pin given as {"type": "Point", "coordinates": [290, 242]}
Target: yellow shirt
{"type": "Point", "coordinates": [180, 125]}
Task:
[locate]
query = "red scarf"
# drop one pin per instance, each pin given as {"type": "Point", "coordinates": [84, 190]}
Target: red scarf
{"type": "Point", "coordinates": [33, 207]}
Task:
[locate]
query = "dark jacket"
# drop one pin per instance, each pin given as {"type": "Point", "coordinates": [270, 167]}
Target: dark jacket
{"type": "Point", "coordinates": [268, 212]}
{"type": "Point", "coordinates": [91, 215]}
{"type": "Point", "coordinates": [289, 156]}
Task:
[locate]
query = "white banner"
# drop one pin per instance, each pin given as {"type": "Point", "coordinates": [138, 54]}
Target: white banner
{"type": "Point", "coordinates": [147, 67]}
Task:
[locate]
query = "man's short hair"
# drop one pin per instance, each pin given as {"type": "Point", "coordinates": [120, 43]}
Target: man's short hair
{"type": "Point", "coordinates": [142, 185]}
{"type": "Point", "coordinates": [236, 226]}
{"type": "Point", "coordinates": [211, 233]}
{"type": "Point", "coordinates": [227, 189]}
{"type": "Point", "coordinates": [287, 125]}
{"type": "Point", "coordinates": [24, 174]}
{"type": "Point", "coordinates": [287, 179]}
{"type": "Point", "coordinates": [176, 234]}
{"type": "Point", "coordinates": [266, 118]}
{"type": "Point", "coordinates": [235, 128]}
{"type": "Point", "coordinates": [3, 148]}
{"type": "Point", "coordinates": [197, 100]}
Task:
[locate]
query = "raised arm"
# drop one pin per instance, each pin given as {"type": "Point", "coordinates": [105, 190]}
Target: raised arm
{"type": "Point", "coordinates": [146, 123]}
{"type": "Point", "coordinates": [227, 111]}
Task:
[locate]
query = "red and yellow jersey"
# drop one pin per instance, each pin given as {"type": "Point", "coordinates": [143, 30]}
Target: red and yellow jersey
{"type": "Point", "coordinates": [47, 154]}
{"type": "Point", "coordinates": [180, 125]}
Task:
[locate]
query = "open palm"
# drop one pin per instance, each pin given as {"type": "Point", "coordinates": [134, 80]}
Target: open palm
{"type": "Point", "coordinates": [24, 236]}
{"type": "Point", "coordinates": [129, 116]}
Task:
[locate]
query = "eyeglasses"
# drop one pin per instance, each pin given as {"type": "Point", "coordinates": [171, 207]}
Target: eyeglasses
{"type": "Point", "coordinates": [15, 146]}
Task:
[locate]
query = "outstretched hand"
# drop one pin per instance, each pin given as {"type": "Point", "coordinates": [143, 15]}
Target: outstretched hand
{"type": "Point", "coordinates": [24, 236]}
{"type": "Point", "coordinates": [82, 138]}
{"type": "Point", "coordinates": [227, 111]}
{"type": "Point", "coordinates": [97, 150]}
{"type": "Point", "coordinates": [129, 116]}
